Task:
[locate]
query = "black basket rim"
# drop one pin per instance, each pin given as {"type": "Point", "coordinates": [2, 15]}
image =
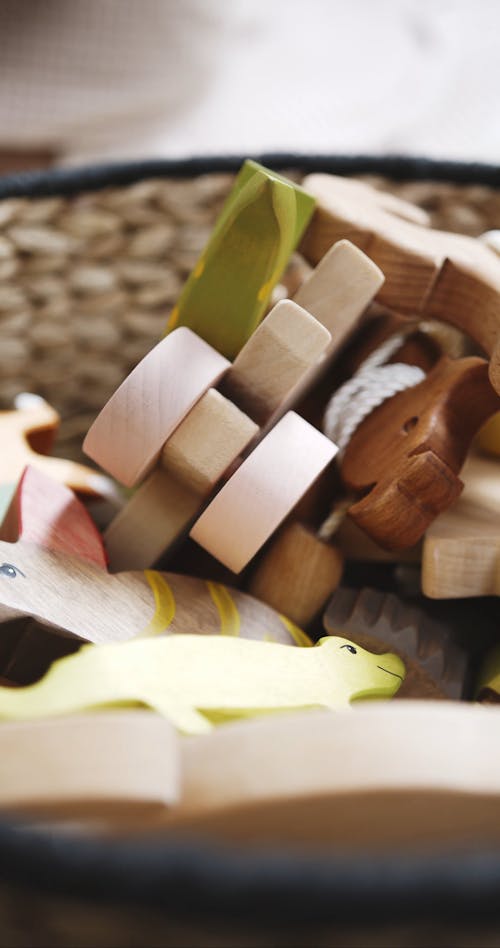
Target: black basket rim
{"type": "Point", "coordinates": [67, 181]}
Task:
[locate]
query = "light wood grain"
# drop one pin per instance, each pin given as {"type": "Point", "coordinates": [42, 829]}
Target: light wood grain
{"type": "Point", "coordinates": [53, 568]}
{"type": "Point", "coordinates": [376, 777]}
{"type": "Point", "coordinates": [462, 547]}
{"type": "Point", "coordinates": [129, 433]}
{"type": "Point", "coordinates": [436, 274]}
{"type": "Point", "coordinates": [297, 574]}
{"type": "Point", "coordinates": [262, 491]}
{"type": "Point", "coordinates": [116, 766]}
{"type": "Point", "coordinates": [275, 359]}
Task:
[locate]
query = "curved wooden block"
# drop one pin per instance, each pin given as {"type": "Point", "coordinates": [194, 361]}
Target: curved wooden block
{"type": "Point", "coordinates": [127, 436]}
{"type": "Point", "coordinates": [262, 491]}
{"type": "Point", "coordinates": [113, 766]}
{"type": "Point", "coordinates": [376, 777]}
{"type": "Point", "coordinates": [436, 274]}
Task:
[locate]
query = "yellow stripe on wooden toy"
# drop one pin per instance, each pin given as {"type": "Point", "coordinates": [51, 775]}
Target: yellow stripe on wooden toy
{"type": "Point", "coordinates": [260, 225]}
{"type": "Point", "coordinates": [192, 679]}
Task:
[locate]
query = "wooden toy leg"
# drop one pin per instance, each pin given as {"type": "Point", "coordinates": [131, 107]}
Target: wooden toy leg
{"type": "Point", "coordinates": [263, 490]}
{"type": "Point", "coordinates": [297, 574]}
{"type": "Point", "coordinates": [116, 766]}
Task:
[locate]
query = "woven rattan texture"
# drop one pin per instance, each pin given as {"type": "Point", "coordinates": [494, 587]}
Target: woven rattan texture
{"type": "Point", "coordinates": [87, 282]}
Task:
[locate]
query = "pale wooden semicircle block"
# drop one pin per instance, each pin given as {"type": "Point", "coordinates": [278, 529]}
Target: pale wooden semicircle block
{"type": "Point", "coordinates": [129, 433]}
{"type": "Point", "coordinates": [262, 491]}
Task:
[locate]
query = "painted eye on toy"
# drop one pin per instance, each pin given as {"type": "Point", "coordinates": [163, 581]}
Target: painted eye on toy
{"type": "Point", "coordinates": [7, 569]}
{"type": "Point", "coordinates": [351, 649]}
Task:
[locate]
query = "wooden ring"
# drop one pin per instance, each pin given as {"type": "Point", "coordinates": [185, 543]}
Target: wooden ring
{"type": "Point", "coordinates": [263, 490]}
{"type": "Point", "coordinates": [129, 433]}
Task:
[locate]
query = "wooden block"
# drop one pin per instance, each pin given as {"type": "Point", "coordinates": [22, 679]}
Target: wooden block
{"type": "Point", "coordinates": [128, 435]}
{"type": "Point", "coordinates": [436, 665]}
{"type": "Point", "coordinates": [203, 447]}
{"type": "Point", "coordinates": [192, 462]}
{"type": "Point", "coordinates": [53, 568]}
{"type": "Point", "coordinates": [366, 780]}
{"type": "Point", "coordinates": [262, 491]}
{"type": "Point", "coordinates": [197, 681]}
{"type": "Point", "coordinates": [439, 275]}
{"type": "Point", "coordinates": [116, 766]}
{"type": "Point", "coordinates": [27, 434]}
{"type": "Point", "coordinates": [339, 289]}
{"type": "Point", "coordinates": [404, 458]}
{"type": "Point", "coordinates": [297, 573]}
{"type": "Point", "coordinates": [488, 439]}
{"type": "Point", "coordinates": [228, 291]}
{"type": "Point", "coordinates": [461, 547]}
{"type": "Point", "coordinates": [287, 344]}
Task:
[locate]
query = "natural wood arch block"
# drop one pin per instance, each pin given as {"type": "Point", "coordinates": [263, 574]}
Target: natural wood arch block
{"type": "Point", "coordinates": [404, 458]}
{"type": "Point", "coordinates": [53, 568]}
{"type": "Point", "coordinates": [462, 547]}
{"type": "Point", "coordinates": [369, 778]}
{"type": "Point", "coordinates": [262, 491]}
{"type": "Point", "coordinates": [433, 273]}
{"type": "Point", "coordinates": [127, 436]}
{"type": "Point", "coordinates": [114, 766]}
{"type": "Point", "coordinates": [27, 434]}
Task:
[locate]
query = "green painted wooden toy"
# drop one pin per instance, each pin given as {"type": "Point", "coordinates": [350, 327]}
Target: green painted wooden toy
{"type": "Point", "coordinates": [226, 294]}
{"type": "Point", "coordinates": [196, 681]}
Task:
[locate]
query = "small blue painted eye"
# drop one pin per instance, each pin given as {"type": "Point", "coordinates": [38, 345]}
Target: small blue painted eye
{"type": "Point", "coordinates": [351, 649]}
{"type": "Point", "coordinates": [7, 569]}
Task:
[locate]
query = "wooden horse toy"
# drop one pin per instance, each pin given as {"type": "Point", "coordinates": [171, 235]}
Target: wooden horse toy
{"type": "Point", "coordinates": [195, 680]}
{"type": "Point", "coordinates": [226, 464]}
{"type": "Point", "coordinates": [429, 273]}
{"type": "Point", "coordinates": [53, 568]}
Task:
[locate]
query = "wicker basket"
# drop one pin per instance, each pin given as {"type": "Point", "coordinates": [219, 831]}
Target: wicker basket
{"type": "Point", "coordinates": [90, 263]}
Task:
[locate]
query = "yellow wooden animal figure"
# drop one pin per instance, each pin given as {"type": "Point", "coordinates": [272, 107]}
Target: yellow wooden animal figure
{"type": "Point", "coordinates": [196, 681]}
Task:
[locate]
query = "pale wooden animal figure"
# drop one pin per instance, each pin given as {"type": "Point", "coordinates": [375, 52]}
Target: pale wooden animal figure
{"type": "Point", "coordinates": [27, 434]}
{"type": "Point", "coordinates": [117, 768]}
{"type": "Point", "coordinates": [435, 274]}
{"type": "Point", "coordinates": [462, 547]}
{"type": "Point", "coordinates": [53, 567]}
{"type": "Point", "coordinates": [193, 679]}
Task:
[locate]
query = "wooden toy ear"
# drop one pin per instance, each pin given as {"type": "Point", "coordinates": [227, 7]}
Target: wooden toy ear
{"type": "Point", "coordinates": [49, 515]}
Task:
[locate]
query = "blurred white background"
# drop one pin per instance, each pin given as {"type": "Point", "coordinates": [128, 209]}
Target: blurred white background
{"type": "Point", "coordinates": [99, 79]}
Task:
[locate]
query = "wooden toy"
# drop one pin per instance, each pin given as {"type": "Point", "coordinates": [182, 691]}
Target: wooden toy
{"type": "Point", "coordinates": [488, 682]}
{"type": "Point", "coordinates": [383, 775]}
{"type": "Point", "coordinates": [404, 458]}
{"type": "Point", "coordinates": [118, 767]}
{"type": "Point", "coordinates": [298, 569]}
{"type": "Point", "coordinates": [431, 273]}
{"type": "Point", "coordinates": [436, 665]}
{"type": "Point", "coordinates": [461, 547]}
{"type": "Point", "coordinates": [27, 435]}
{"type": "Point", "coordinates": [196, 681]}
{"type": "Point", "coordinates": [53, 568]}
{"type": "Point", "coordinates": [228, 291]}
{"type": "Point", "coordinates": [195, 448]}
{"type": "Point", "coordinates": [488, 439]}
{"type": "Point", "coordinates": [262, 491]}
